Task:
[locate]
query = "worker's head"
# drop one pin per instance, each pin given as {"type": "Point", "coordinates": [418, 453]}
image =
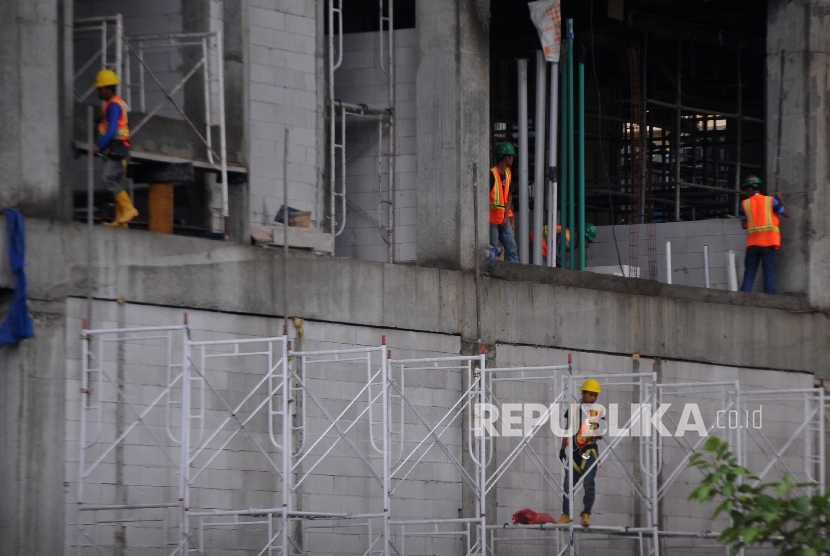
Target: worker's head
{"type": "Point", "coordinates": [751, 185]}
{"type": "Point", "coordinates": [106, 82]}
{"type": "Point", "coordinates": [506, 152]}
{"type": "Point", "coordinates": [590, 234]}
{"type": "Point", "coordinates": [590, 391]}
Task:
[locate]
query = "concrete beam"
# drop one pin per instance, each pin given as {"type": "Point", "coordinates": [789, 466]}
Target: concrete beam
{"type": "Point", "coordinates": [520, 305]}
{"type": "Point", "coordinates": [452, 95]}
{"type": "Point", "coordinates": [802, 29]}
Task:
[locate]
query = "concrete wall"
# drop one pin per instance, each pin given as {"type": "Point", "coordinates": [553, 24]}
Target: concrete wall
{"type": "Point", "coordinates": [283, 93]}
{"type": "Point", "coordinates": [32, 432]}
{"type": "Point", "coordinates": [35, 61]}
{"type": "Point", "coordinates": [687, 241]}
{"type": "Point", "coordinates": [361, 80]}
{"type": "Point", "coordinates": [519, 303]}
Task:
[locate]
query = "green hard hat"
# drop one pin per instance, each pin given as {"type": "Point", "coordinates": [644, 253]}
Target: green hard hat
{"type": "Point", "coordinates": [505, 148]}
{"type": "Point", "coordinates": [590, 232]}
{"type": "Point", "coordinates": [751, 181]}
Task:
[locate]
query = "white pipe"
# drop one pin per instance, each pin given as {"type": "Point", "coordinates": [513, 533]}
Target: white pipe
{"type": "Point", "coordinates": [539, 158]}
{"type": "Point", "coordinates": [119, 33]}
{"type": "Point", "coordinates": [524, 202]}
{"type": "Point", "coordinates": [552, 153]}
{"type": "Point", "coordinates": [668, 262]}
{"type": "Point", "coordinates": [223, 149]}
{"type": "Point", "coordinates": [206, 80]}
{"type": "Point", "coordinates": [732, 272]}
{"type": "Point", "coordinates": [706, 264]}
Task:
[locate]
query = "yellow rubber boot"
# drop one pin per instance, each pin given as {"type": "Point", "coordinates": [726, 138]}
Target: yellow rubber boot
{"type": "Point", "coordinates": [564, 518]}
{"type": "Point", "coordinates": [124, 211]}
{"type": "Point", "coordinates": [586, 520]}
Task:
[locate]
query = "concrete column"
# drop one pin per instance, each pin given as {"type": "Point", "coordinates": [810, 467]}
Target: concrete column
{"type": "Point", "coordinates": [236, 43]}
{"type": "Point", "coordinates": [452, 99]}
{"type": "Point", "coordinates": [35, 45]}
{"type": "Point", "coordinates": [802, 29]}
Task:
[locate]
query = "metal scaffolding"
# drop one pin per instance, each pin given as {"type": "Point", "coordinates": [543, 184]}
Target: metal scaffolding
{"type": "Point", "coordinates": [341, 112]}
{"type": "Point", "coordinates": [203, 445]}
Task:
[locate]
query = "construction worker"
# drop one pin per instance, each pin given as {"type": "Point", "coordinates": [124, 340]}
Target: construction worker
{"type": "Point", "coordinates": [501, 199]}
{"type": "Point", "coordinates": [114, 145]}
{"type": "Point", "coordinates": [590, 236]}
{"type": "Point", "coordinates": [585, 453]}
{"type": "Point", "coordinates": [759, 217]}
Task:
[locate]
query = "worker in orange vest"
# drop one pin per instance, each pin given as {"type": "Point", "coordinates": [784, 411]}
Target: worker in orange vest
{"type": "Point", "coordinates": [759, 217]}
{"type": "Point", "coordinates": [501, 199]}
{"type": "Point", "coordinates": [114, 145]}
{"type": "Point", "coordinates": [585, 452]}
{"type": "Point", "coordinates": [590, 236]}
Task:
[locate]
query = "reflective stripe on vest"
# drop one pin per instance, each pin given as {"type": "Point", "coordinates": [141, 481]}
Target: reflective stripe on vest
{"type": "Point", "coordinates": [761, 222]}
{"type": "Point", "coordinates": [123, 133]}
{"type": "Point", "coordinates": [585, 435]}
{"type": "Point", "coordinates": [499, 194]}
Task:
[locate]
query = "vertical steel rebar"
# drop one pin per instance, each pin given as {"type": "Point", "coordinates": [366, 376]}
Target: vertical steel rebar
{"type": "Point", "coordinates": [739, 138]}
{"type": "Point", "coordinates": [477, 251]}
{"type": "Point", "coordinates": [677, 136]}
{"type": "Point", "coordinates": [581, 163]}
{"type": "Point", "coordinates": [286, 220]}
{"type": "Point", "coordinates": [90, 207]}
{"type": "Point", "coordinates": [524, 209]}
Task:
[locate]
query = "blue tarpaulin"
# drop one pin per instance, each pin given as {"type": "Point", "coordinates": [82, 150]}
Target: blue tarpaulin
{"type": "Point", "coordinates": [18, 323]}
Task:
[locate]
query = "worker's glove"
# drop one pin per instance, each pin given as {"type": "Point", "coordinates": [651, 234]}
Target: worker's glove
{"type": "Point", "coordinates": [563, 457]}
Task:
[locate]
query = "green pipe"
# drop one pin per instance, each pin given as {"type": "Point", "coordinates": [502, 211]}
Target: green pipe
{"type": "Point", "coordinates": [571, 169]}
{"type": "Point", "coordinates": [563, 165]}
{"type": "Point", "coordinates": [581, 161]}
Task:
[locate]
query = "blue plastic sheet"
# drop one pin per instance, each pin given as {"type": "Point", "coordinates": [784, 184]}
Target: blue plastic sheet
{"type": "Point", "coordinates": [18, 323]}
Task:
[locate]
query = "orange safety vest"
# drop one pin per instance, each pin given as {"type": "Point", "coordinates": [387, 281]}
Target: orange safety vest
{"type": "Point", "coordinates": [498, 195]}
{"type": "Point", "coordinates": [585, 435]}
{"type": "Point", "coordinates": [545, 240]}
{"type": "Point", "coordinates": [123, 133]}
{"type": "Point", "coordinates": [761, 222]}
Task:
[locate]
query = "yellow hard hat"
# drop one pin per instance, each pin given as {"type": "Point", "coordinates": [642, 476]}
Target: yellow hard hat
{"type": "Point", "coordinates": [591, 385]}
{"type": "Point", "coordinates": [106, 78]}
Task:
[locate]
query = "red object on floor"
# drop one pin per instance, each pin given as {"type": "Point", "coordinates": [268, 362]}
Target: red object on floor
{"type": "Point", "coordinates": [529, 517]}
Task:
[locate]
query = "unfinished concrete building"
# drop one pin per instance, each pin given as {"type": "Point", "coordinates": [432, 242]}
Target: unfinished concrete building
{"type": "Point", "coordinates": [210, 381]}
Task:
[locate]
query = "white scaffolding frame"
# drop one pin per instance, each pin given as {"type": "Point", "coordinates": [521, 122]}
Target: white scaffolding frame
{"type": "Point", "coordinates": [110, 30]}
{"type": "Point", "coordinates": [378, 419]}
{"type": "Point", "coordinates": [385, 117]}
{"type": "Point", "coordinates": [210, 60]}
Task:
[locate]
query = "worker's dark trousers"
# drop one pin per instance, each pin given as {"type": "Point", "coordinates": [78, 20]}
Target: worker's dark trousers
{"type": "Point", "coordinates": [114, 175]}
{"type": "Point", "coordinates": [580, 466]}
{"type": "Point", "coordinates": [765, 256]}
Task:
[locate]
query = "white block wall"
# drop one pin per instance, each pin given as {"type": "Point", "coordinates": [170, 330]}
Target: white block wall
{"type": "Point", "coordinates": [283, 91]}
{"type": "Point", "coordinates": [360, 80]}
{"type": "Point", "coordinates": [687, 241]}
